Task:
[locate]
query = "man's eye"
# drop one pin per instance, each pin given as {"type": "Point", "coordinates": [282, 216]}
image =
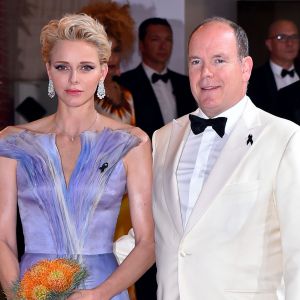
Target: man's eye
{"type": "Point", "coordinates": [219, 61]}
{"type": "Point", "coordinates": [195, 62]}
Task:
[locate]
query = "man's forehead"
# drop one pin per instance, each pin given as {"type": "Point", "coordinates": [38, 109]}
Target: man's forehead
{"type": "Point", "coordinates": [282, 26]}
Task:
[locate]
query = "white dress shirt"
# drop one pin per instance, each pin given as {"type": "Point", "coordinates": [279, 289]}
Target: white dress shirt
{"type": "Point", "coordinates": [199, 156]}
{"type": "Point", "coordinates": [164, 94]}
{"type": "Point", "coordinates": [282, 82]}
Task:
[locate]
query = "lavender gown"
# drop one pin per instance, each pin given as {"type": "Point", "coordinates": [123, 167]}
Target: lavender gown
{"type": "Point", "coordinates": [63, 221]}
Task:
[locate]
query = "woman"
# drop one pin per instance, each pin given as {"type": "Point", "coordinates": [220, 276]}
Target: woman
{"type": "Point", "coordinates": [68, 171]}
{"type": "Point", "coordinates": [119, 26]}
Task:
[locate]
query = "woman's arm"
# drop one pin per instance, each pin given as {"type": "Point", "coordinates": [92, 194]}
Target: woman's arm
{"type": "Point", "coordinates": [138, 163]}
{"type": "Point", "coordinates": [9, 266]}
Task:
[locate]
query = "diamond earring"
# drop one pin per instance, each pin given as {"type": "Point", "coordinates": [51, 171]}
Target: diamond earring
{"type": "Point", "coordinates": [51, 91]}
{"type": "Point", "coordinates": [101, 90]}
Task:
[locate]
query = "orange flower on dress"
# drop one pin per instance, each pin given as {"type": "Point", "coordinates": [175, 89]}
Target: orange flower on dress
{"type": "Point", "coordinates": [50, 279]}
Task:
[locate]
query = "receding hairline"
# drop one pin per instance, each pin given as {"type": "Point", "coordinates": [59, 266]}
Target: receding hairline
{"type": "Point", "coordinates": [209, 22]}
{"type": "Point", "coordinates": [279, 22]}
{"type": "Point", "coordinates": [239, 33]}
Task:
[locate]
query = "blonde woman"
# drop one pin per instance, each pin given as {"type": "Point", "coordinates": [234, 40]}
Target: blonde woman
{"type": "Point", "coordinates": [68, 171]}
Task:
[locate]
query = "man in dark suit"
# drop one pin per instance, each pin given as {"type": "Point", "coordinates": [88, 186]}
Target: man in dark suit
{"type": "Point", "coordinates": [281, 70]}
{"type": "Point", "coordinates": [288, 102]}
{"type": "Point", "coordinates": [159, 94]}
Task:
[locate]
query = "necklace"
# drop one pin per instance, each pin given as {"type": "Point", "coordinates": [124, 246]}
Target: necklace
{"type": "Point", "coordinates": [73, 137]}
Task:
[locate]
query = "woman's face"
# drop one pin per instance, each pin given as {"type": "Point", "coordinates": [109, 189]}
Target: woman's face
{"type": "Point", "coordinates": [75, 70]}
{"type": "Point", "coordinates": [115, 58]}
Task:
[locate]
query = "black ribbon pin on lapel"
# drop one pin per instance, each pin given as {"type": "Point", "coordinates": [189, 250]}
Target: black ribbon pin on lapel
{"type": "Point", "coordinates": [250, 140]}
{"type": "Point", "coordinates": [103, 167]}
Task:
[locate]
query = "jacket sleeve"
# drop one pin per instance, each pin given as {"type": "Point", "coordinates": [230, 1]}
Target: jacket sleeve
{"type": "Point", "coordinates": [287, 200]}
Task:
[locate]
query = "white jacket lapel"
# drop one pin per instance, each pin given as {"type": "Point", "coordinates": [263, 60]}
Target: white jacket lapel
{"type": "Point", "coordinates": [180, 131]}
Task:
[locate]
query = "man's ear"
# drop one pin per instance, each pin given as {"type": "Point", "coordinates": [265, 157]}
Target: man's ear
{"type": "Point", "coordinates": [268, 44]}
{"type": "Point", "coordinates": [247, 66]}
{"type": "Point", "coordinates": [141, 47]}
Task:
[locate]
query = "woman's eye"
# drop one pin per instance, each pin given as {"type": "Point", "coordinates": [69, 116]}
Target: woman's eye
{"type": "Point", "coordinates": [87, 68]}
{"type": "Point", "coordinates": [61, 67]}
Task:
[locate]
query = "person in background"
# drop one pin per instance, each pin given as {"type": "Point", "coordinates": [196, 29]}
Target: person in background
{"type": "Point", "coordinates": [119, 25]}
{"type": "Point", "coordinates": [69, 171]}
{"type": "Point", "coordinates": [159, 94]}
{"type": "Point", "coordinates": [226, 183]}
{"type": "Point", "coordinates": [288, 102]}
{"type": "Point", "coordinates": [281, 70]}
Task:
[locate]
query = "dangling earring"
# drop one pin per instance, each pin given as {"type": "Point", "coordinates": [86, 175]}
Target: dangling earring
{"type": "Point", "coordinates": [51, 92]}
{"type": "Point", "coordinates": [101, 90]}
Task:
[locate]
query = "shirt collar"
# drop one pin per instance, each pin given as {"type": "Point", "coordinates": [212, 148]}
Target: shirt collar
{"type": "Point", "coordinates": [149, 71]}
{"type": "Point", "coordinates": [232, 114]}
{"type": "Point", "coordinates": [277, 69]}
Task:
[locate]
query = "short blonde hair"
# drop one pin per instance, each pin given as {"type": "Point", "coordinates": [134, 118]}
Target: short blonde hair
{"type": "Point", "coordinates": [75, 27]}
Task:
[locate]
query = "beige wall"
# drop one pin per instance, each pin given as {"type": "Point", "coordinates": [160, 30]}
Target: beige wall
{"type": "Point", "coordinates": [28, 16]}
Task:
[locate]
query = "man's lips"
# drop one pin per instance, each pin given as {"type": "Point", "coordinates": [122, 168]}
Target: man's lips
{"type": "Point", "coordinates": [209, 88]}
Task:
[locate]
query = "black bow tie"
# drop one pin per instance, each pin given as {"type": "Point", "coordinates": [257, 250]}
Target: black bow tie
{"type": "Point", "coordinates": [198, 124]}
{"type": "Point", "coordinates": [163, 77]}
{"type": "Point", "coordinates": [285, 72]}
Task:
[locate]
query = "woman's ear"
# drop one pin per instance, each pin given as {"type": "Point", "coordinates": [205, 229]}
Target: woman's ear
{"type": "Point", "coordinates": [104, 70]}
{"type": "Point", "coordinates": [48, 70]}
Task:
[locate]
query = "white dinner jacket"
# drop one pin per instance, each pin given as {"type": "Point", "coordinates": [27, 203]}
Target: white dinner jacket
{"type": "Point", "coordinates": [244, 232]}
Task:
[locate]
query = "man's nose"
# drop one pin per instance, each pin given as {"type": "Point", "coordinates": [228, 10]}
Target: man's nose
{"type": "Point", "coordinates": [206, 71]}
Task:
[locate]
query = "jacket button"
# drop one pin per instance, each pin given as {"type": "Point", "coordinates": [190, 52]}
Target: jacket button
{"type": "Point", "coordinates": [183, 254]}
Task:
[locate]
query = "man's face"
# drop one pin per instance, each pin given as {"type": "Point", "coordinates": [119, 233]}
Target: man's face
{"type": "Point", "coordinates": [156, 47]}
{"type": "Point", "coordinates": [218, 77]}
{"type": "Point", "coordinates": [283, 43]}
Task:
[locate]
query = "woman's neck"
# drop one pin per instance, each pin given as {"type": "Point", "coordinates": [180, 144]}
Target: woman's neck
{"type": "Point", "coordinates": [72, 126]}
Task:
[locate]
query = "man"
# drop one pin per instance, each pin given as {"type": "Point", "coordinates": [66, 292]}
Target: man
{"type": "Point", "coordinates": [159, 94]}
{"type": "Point", "coordinates": [226, 199]}
{"type": "Point", "coordinates": [281, 70]}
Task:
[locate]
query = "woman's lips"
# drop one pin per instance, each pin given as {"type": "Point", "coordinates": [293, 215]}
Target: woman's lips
{"type": "Point", "coordinates": [73, 92]}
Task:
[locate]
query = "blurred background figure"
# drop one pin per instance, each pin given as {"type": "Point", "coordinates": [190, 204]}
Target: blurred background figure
{"type": "Point", "coordinates": [118, 102]}
{"type": "Point", "coordinates": [119, 25]}
{"type": "Point", "coordinates": [159, 94]}
{"type": "Point", "coordinates": [281, 70]}
{"type": "Point", "coordinates": [288, 102]}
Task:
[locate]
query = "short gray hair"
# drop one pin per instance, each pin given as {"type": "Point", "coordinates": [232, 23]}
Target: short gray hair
{"type": "Point", "coordinates": [240, 34]}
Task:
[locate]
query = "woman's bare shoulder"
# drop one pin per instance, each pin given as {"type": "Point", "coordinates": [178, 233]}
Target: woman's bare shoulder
{"type": "Point", "coordinates": [142, 135]}
{"type": "Point", "coordinates": [9, 130]}
{"type": "Point", "coordinates": [38, 126]}
{"type": "Point", "coordinates": [116, 125]}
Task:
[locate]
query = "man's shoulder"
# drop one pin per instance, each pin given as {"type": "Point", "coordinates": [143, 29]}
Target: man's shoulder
{"type": "Point", "coordinates": [288, 99]}
{"type": "Point", "coordinates": [294, 87]}
{"type": "Point", "coordinates": [177, 75]}
{"type": "Point", "coordinates": [166, 129]}
{"type": "Point", "coordinates": [129, 78]}
{"type": "Point", "coordinates": [261, 70]}
{"type": "Point", "coordinates": [277, 124]}
{"type": "Point", "coordinates": [297, 66]}
{"type": "Point", "coordinates": [132, 72]}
